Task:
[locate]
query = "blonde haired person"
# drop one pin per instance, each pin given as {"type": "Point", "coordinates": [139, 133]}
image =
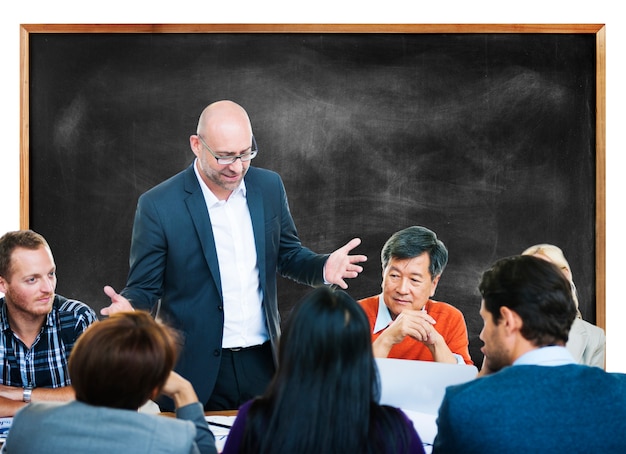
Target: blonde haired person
{"type": "Point", "coordinates": [586, 341]}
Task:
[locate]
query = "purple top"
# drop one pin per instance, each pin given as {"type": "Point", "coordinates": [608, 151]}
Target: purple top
{"type": "Point", "coordinates": [235, 435]}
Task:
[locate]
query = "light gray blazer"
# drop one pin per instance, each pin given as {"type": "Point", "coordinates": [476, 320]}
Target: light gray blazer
{"type": "Point", "coordinates": [75, 427]}
{"type": "Point", "coordinates": [587, 343]}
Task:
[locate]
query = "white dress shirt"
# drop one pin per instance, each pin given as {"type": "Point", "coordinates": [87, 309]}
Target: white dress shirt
{"type": "Point", "coordinates": [244, 320]}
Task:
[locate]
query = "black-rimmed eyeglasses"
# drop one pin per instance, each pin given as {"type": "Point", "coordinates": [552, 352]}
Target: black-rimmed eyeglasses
{"type": "Point", "coordinates": [226, 160]}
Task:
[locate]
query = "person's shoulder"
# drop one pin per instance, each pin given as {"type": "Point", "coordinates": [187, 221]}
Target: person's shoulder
{"type": "Point", "coordinates": [369, 301]}
{"type": "Point", "coordinates": [39, 411]}
{"type": "Point", "coordinates": [609, 387]}
{"type": "Point", "coordinates": [258, 174]}
{"type": "Point", "coordinates": [67, 305]}
{"type": "Point", "coordinates": [246, 405]}
{"type": "Point", "coordinates": [243, 410]}
{"type": "Point", "coordinates": [615, 382]}
{"type": "Point", "coordinates": [73, 317]}
{"type": "Point", "coordinates": [472, 385]}
{"type": "Point", "coordinates": [173, 424]}
{"type": "Point", "coordinates": [504, 378]}
{"type": "Point", "coordinates": [370, 307]}
{"type": "Point", "coordinates": [598, 374]}
{"type": "Point", "coordinates": [524, 384]}
{"type": "Point", "coordinates": [588, 327]}
{"type": "Point", "coordinates": [464, 398]}
{"type": "Point", "coordinates": [395, 411]}
{"type": "Point", "coordinates": [117, 417]}
{"type": "Point", "coordinates": [398, 419]}
{"type": "Point", "coordinates": [520, 375]}
{"type": "Point", "coordinates": [40, 415]}
{"type": "Point", "coordinates": [42, 406]}
{"type": "Point", "coordinates": [175, 432]}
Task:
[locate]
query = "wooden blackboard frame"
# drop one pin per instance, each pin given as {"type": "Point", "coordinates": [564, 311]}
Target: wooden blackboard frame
{"type": "Point", "coordinates": [26, 30]}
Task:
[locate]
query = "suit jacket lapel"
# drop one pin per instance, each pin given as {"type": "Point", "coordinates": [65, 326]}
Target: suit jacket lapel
{"type": "Point", "coordinates": [255, 202]}
{"type": "Point", "coordinates": [202, 222]}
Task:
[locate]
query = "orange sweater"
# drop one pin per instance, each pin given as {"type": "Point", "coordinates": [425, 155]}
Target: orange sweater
{"type": "Point", "coordinates": [450, 324]}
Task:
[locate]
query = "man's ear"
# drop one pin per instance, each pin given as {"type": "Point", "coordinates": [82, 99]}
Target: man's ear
{"type": "Point", "coordinates": [435, 282]}
{"type": "Point", "coordinates": [3, 285]}
{"type": "Point", "coordinates": [194, 143]}
{"type": "Point", "coordinates": [511, 319]}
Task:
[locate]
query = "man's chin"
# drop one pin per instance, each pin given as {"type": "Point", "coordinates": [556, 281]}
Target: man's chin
{"type": "Point", "coordinates": [494, 366]}
{"type": "Point", "coordinates": [41, 310]}
{"type": "Point", "coordinates": [230, 185]}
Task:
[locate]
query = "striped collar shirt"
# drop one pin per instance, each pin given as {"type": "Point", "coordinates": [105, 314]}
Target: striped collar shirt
{"type": "Point", "coordinates": [44, 364]}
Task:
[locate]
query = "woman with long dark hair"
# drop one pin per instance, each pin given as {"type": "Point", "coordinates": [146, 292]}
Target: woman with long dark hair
{"type": "Point", "coordinates": [324, 395]}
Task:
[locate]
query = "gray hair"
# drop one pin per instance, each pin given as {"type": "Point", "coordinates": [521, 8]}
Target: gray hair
{"type": "Point", "coordinates": [412, 242]}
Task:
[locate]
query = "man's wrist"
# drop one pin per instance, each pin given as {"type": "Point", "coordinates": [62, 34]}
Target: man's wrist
{"type": "Point", "coordinates": [382, 346]}
{"type": "Point", "coordinates": [27, 394]}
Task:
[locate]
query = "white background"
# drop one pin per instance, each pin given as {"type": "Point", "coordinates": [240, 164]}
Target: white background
{"type": "Point", "coordinates": [346, 11]}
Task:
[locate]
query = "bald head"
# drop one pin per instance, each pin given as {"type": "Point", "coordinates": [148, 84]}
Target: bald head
{"type": "Point", "coordinates": [224, 130]}
{"type": "Point", "coordinates": [224, 118]}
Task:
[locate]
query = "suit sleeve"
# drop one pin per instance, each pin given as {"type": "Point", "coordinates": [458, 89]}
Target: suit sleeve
{"type": "Point", "coordinates": [294, 260]}
{"type": "Point", "coordinates": [148, 255]}
{"type": "Point", "coordinates": [205, 440]}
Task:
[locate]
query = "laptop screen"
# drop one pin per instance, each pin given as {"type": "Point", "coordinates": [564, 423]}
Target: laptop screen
{"type": "Point", "coordinates": [419, 385]}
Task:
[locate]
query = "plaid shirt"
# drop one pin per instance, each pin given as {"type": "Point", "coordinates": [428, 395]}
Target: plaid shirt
{"type": "Point", "coordinates": [45, 363]}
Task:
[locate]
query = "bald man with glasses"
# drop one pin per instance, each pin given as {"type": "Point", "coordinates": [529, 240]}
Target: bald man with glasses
{"type": "Point", "coordinates": [207, 244]}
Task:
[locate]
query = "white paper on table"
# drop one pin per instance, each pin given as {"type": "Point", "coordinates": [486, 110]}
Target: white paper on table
{"type": "Point", "coordinates": [220, 433]}
{"type": "Point", "coordinates": [220, 421]}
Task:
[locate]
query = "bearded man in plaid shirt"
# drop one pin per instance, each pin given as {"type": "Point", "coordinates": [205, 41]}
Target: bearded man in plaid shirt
{"type": "Point", "coordinates": [38, 327]}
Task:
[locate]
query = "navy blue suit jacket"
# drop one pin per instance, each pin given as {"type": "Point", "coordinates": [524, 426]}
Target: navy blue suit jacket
{"type": "Point", "coordinates": [523, 409]}
{"type": "Point", "coordinates": [173, 258]}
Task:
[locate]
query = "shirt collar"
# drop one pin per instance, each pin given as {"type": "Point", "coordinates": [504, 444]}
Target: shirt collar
{"type": "Point", "coordinates": [383, 318]}
{"type": "Point", "coordinates": [552, 355]}
{"type": "Point", "coordinates": [4, 319]}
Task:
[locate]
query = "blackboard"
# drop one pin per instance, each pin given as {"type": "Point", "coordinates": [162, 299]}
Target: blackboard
{"type": "Point", "coordinates": [488, 138]}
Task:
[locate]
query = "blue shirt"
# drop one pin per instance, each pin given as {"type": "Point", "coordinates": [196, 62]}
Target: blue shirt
{"type": "Point", "coordinates": [44, 364]}
{"type": "Point", "coordinates": [552, 355]}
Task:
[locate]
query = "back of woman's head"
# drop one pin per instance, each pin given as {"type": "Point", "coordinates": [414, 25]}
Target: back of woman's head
{"type": "Point", "coordinates": [327, 338]}
{"type": "Point", "coordinates": [325, 370]}
{"type": "Point", "coordinates": [120, 361]}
